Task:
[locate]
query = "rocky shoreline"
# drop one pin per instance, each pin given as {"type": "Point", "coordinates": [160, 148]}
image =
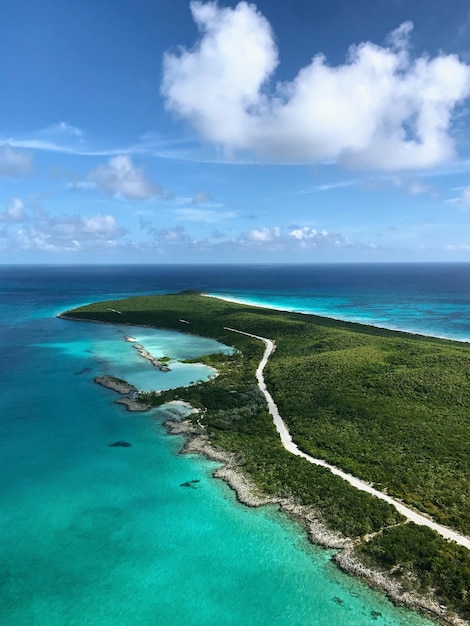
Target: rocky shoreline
{"type": "Point", "coordinates": [158, 363]}
{"type": "Point", "coordinates": [248, 494]}
{"type": "Point", "coordinates": [318, 533]}
{"type": "Point", "coordinates": [116, 384]}
{"type": "Point", "coordinates": [128, 391]}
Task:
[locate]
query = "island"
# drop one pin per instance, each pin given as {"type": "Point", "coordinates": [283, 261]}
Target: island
{"type": "Point", "coordinates": [387, 409]}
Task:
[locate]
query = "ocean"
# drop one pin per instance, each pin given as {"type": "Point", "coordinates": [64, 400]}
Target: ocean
{"type": "Point", "coordinates": [98, 535]}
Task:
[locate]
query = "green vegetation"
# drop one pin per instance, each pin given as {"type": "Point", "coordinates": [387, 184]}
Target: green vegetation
{"type": "Point", "coordinates": [394, 411]}
{"type": "Point", "coordinates": [389, 407]}
{"type": "Point", "coordinates": [416, 554]}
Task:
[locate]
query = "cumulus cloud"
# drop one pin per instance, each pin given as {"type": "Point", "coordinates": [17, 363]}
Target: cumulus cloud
{"type": "Point", "coordinates": [215, 85]}
{"type": "Point", "coordinates": [301, 237]}
{"type": "Point", "coordinates": [68, 233]}
{"type": "Point", "coordinates": [310, 237]}
{"type": "Point", "coordinates": [298, 242]}
{"type": "Point", "coordinates": [15, 212]}
{"type": "Point", "coordinates": [265, 235]}
{"type": "Point", "coordinates": [121, 178]}
{"type": "Point", "coordinates": [75, 225]}
{"type": "Point", "coordinates": [380, 109]}
{"type": "Point", "coordinates": [304, 234]}
{"type": "Point", "coordinates": [15, 162]}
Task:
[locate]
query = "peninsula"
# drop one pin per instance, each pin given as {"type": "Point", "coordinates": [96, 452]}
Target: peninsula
{"type": "Point", "coordinates": [389, 409]}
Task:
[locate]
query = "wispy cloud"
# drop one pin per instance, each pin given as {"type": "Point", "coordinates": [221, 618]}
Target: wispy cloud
{"type": "Point", "coordinates": [207, 216]}
{"type": "Point", "coordinates": [64, 138]}
{"type": "Point", "coordinates": [328, 187]}
{"type": "Point", "coordinates": [463, 199]}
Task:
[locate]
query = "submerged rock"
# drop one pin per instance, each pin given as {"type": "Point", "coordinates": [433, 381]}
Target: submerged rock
{"type": "Point", "coordinates": [119, 444]}
{"type": "Point", "coordinates": [190, 484]}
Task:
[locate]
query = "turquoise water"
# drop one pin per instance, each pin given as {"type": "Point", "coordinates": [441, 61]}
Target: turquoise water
{"type": "Point", "coordinates": [98, 535]}
{"type": "Point", "coordinates": [415, 317]}
{"type": "Point", "coordinates": [115, 356]}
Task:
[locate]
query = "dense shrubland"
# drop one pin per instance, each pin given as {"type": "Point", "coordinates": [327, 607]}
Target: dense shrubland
{"type": "Point", "coordinates": [389, 407]}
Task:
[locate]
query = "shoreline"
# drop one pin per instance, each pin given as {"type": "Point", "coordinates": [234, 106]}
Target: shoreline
{"type": "Point", "coordinates": [412, 333]}
{"type": "Point", "coordinates": [317, 532]}
{"type": "Point", "coordinates": [236, 300]}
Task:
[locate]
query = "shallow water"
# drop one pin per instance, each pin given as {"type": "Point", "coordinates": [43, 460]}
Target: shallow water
{"type": "Point", "coordinates": [93, 534]}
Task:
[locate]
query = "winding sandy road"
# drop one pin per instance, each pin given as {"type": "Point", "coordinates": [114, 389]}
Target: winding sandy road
{"type": "Point", "coordinates": [289, 445]}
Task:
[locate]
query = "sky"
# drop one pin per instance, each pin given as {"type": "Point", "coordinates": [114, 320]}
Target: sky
{"type": "Point", "coordinates": [294, 131]}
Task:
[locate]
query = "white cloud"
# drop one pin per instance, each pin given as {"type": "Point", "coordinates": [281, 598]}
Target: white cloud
{"type": "Point", "coordinates": [266, 242]}
{"type": "Point", "coordinates": [15, 162]}
{"type": "Point", "coordinates": [14, 213]}
{"type": "Point", "coordinates": [96, 225]}
{"type": "Point", "coordinates": [328, 186]}
{"type": "Point", "coordinates": [61, 137]}
{"type": "Point", "coordinates": [302, 237]}
{"type": "Point", "coordinates": [301, 234]}
{"type": "Point", "coordinates": [381, 109]}
{"type": "Point", "coordinates": [215, 85]}
{"type": "Point", "coordinates": [67, 233]}
{"type": "Point", "coordinates": [265, 235]}
{"type": "Point", "coordinates": [66, 129]}
{"type": "Point", "coordinates": [310, 237]}
{"type": "Point", "coordinates": [120, 177]}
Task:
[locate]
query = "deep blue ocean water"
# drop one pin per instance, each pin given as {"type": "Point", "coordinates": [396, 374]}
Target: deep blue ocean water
{"type": "Point", "coordinates": [92, 534]}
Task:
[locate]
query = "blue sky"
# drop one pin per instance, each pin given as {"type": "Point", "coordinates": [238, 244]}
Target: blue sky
{"type": "Point", "coordinates": [160, 131]}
